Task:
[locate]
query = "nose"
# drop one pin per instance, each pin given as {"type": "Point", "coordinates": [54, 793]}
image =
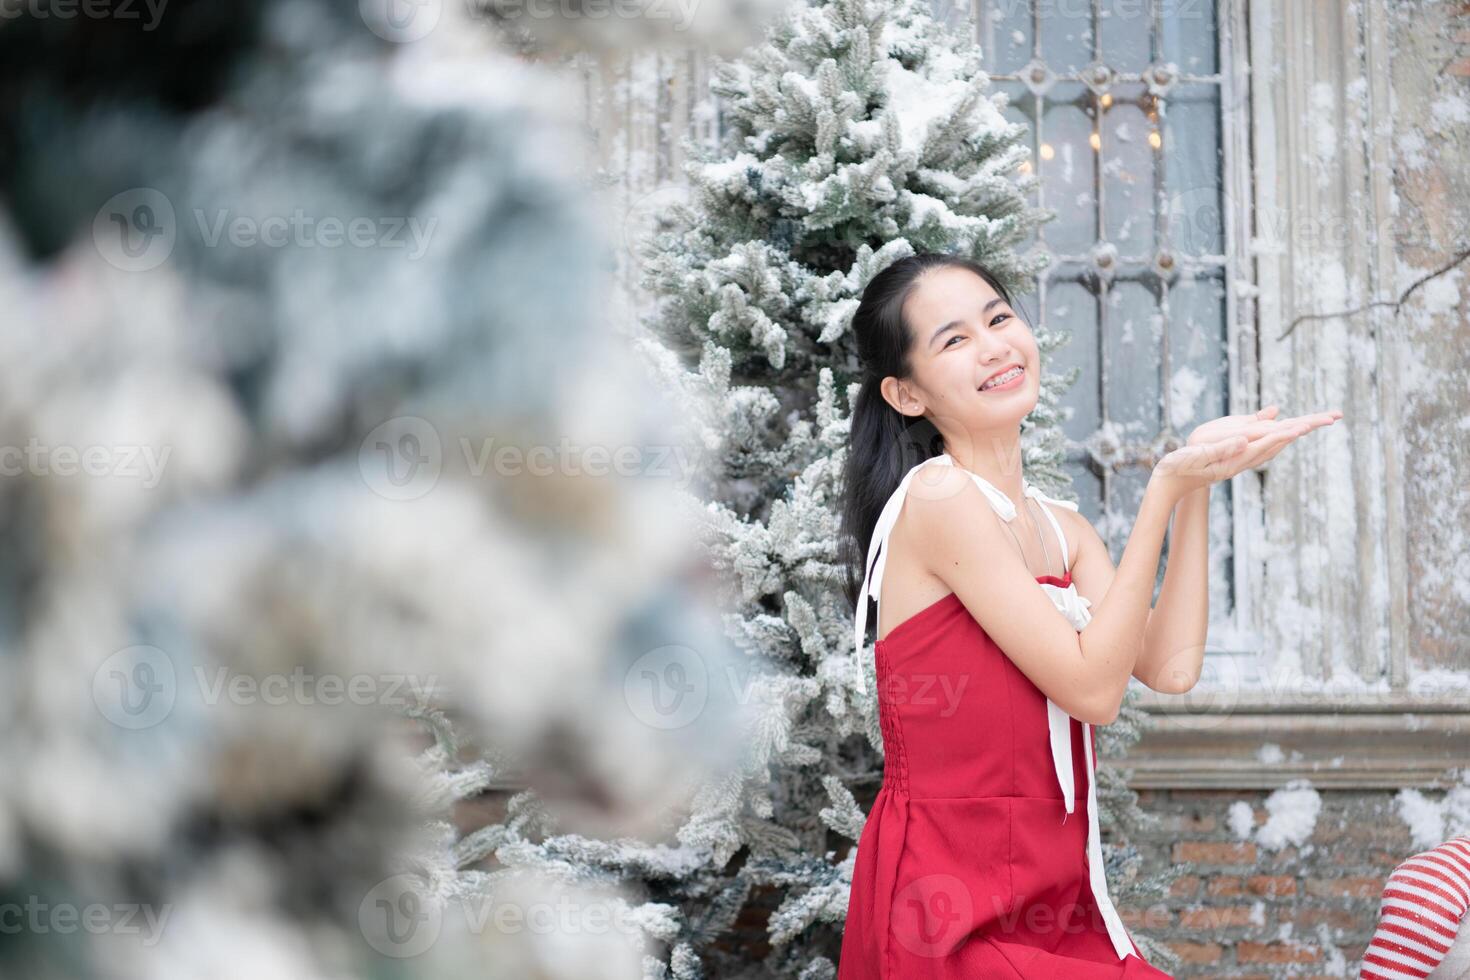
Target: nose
{"type": "Point", "coordinates": [996, 351]}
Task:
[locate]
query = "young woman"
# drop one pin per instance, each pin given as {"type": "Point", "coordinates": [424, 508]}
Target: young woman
{"type": "Point", "coordinates": [972, 863]}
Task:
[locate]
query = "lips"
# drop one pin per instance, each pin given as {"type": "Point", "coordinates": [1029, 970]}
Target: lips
{"type": "Point", "coordinates": [1020, 369]}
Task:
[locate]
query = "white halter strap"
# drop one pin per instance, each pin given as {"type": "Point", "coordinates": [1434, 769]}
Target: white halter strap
{"type": "Point", "coordinates": [1043, 499]}
{"type": "Point", "coordinates": [878, 552]}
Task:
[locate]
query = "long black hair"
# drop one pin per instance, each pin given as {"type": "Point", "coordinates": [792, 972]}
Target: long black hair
{"type": "Point", "coordinates": [884, 443]}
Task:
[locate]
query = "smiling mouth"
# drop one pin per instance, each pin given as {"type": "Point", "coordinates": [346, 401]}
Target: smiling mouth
{"type": "Point", "coordinates": [1004, 379]}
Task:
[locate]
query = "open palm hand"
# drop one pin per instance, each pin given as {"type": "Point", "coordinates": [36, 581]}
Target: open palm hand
{"type": "Point", "coordinates": [1221, 448]}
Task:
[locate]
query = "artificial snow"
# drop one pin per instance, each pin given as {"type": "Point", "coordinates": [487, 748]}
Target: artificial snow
{"type": "Point", "coordinates": [1293, 813]}
{"type": "Point", "coordinates": [918, 100]}
{"type": "Point", "coordinates": [1449, 109]}
{"type": "Point", "coordinates": [1411, 150]}
{"type": "Point", "coordinates": [1185, 387]}
{"type": "Point", "coordinates": [1430, 822]}
{"type": "Point", "coordinates": [1242, 819]}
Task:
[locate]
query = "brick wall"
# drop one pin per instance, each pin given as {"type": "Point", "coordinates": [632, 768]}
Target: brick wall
{"type": "Point", "coordinates": [1245, 910]}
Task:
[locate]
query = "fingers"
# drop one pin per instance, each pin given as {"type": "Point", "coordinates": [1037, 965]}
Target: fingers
{"type": "Point", "coordinates": [1266, 448]}
{"type": "Point", "coordinates": [1300, 424]}
{"type": "Point", "coordinates": [1259, 438]}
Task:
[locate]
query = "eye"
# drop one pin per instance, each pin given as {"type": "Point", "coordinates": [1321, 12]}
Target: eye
{"type": "Point", "coordinates": [953, 339]}
{"type": "Point", "coordinates": [1000, 316]}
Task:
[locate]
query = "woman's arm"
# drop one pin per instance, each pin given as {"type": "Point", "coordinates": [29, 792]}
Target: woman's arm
{"type": "Point", "coordinates": [1174, 637]}
{"type": "Point", "coordinates": [1121, 596]}
{"type": "Point", "coordinates": [1084, 673]}
{"type": "Point", "coordinates": [1093, 574]}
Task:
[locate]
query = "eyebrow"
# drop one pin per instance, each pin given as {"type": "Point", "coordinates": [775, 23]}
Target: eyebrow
{"type": "Point", "coordinates": [997, 301]}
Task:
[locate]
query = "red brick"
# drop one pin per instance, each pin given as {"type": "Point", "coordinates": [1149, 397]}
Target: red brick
{"type": "Point", "coordinates": [1154, 917]}
{"type": "Point", "coordinates": [1287, 857]}
{"type": "Point", "coordinates": [1271, 885]}
{"type": "Point", "coordinates": [1189, 823]}
{"type": "Point", "coordinates": [1247, 952]}
{"type": "Point", "coordinates": [1350, 887]}
{"type": "Point", "coordinates": [1185, 886]}
{"type": "Point", "coordinates": [1225, 885]}
{"type": "Point", "coordinates": [1394, 836]}
{"type": "Point", "coordinates": [1352, 857]}
{"type": "Point", "coordinates": [1310, 918]}
{"type": "Point", "coordinates": [1197, 952]}
{"type": "Point", "coordinates": [1214, 852]}
{"type": "Point", "coordinates": [1213, 917]}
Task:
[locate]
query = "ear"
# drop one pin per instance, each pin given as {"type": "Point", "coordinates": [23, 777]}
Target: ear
{"type": "Point", "coordinates": [901, 396]}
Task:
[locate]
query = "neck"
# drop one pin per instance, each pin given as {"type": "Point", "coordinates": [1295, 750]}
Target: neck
{"type": "Point", "coordinates": [996, 459]}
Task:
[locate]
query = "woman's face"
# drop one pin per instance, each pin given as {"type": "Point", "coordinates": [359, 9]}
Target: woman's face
{"type": "Point", "coordinates": [964, 334]}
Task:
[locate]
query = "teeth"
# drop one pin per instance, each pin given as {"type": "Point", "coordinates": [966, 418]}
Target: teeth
{"type": "Point", "coordinates": [1002, 379]}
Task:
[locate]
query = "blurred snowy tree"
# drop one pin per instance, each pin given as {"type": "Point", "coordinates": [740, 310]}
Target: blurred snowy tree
{"type": "Point", "coordinates": [274, 287]}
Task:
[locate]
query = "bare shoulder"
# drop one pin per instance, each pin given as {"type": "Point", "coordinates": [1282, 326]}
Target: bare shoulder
{"type": "Point", "coordinates": [1077, 526]}
{"type": "Point", "coordinates": [946, 502]}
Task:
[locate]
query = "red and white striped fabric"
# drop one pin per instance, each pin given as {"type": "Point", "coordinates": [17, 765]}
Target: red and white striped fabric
{"type": "Point", "coordinates": [1422, 923]}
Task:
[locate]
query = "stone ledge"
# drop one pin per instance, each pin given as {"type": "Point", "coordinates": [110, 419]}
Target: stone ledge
{"type": "Point", "coordinates": [1370, 742]}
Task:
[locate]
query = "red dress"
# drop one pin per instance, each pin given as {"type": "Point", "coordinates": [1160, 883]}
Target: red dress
{"type": "Point", "coordinates": [973, 863]}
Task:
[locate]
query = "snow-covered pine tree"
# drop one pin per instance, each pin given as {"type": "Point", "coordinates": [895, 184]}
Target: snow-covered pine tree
{"type": "Point", "coordinates": [859, 133]}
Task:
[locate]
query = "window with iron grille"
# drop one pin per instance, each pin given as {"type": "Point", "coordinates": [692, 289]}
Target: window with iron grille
{"type": "Point", "coordinates": [1126, 104]}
